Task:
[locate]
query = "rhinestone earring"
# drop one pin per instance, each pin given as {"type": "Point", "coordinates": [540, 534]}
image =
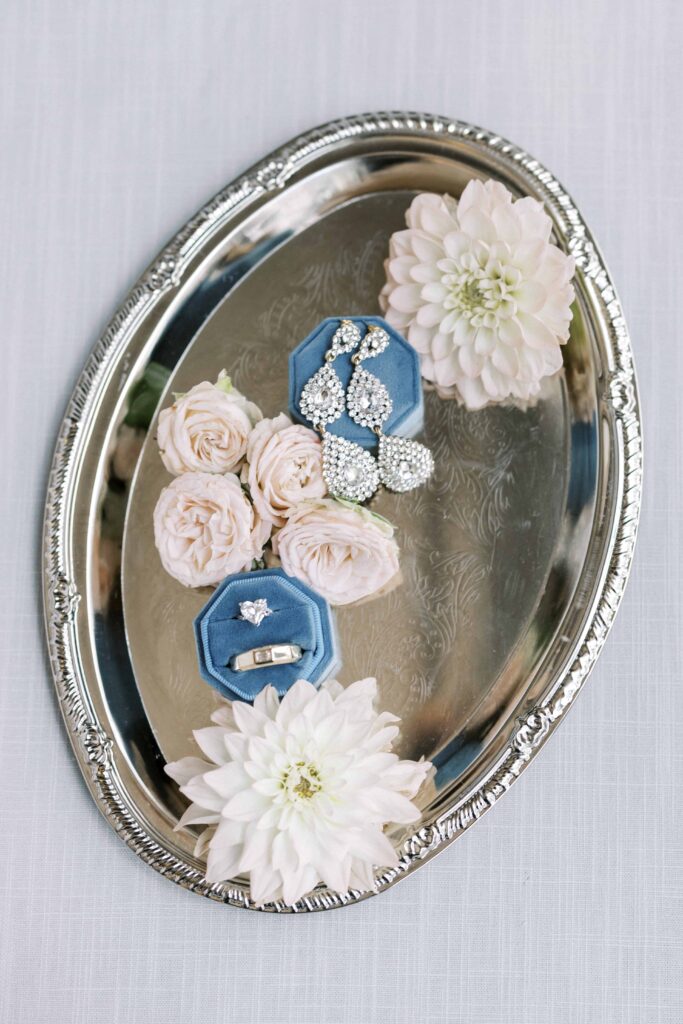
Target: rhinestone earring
{"type": "Point", "coordinates": [403, 464]}
{"type": "Point", "coordinates": [348, 470]}
{"type": "Point", "coordinates": [322, 397]}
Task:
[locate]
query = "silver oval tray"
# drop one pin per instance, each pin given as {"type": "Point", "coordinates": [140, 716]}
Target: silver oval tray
{"type": "Point", "coordinates": [515, 557]}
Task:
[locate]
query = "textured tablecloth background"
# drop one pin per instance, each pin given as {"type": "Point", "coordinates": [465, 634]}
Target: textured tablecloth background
{"type": "Point", "coordinates": [563, 906]}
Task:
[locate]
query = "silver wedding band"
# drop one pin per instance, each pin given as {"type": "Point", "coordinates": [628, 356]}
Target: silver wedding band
{"type": "Point", "coordinates": [263, 657]}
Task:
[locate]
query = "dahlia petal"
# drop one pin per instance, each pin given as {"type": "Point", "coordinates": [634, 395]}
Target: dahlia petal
{"type": "Point", "coordinates": [474, 194]}
{"type": "Point", "coordinates": [434, 292]}
{"type": "Point", "coordinates": [363, 689]}
{"type": "Point", "coordinates": [401, 243]}
{"type": "Point", "coordinates": [505, 360]}
{"type": "Point", "coordinates": [442, 345]}
{"type": "Point", "coordinates": [478, 225]}
{"type": "Point", "coordinates": [186, 769]}
{"type": "Point", "coordinates": [553, 360]}
{"type": "Point", "coordinates": [294, 701]}
{"type": "Point", "coordinates": [247, 805]}
{"type": "Point", "coordinates": [267, 702]}
{"type": "Point", "coordinates": [247, 718]}
{"type": "Point", "coordinates": [437, 222]}
{"type": "Point", "coordinates": [455, 244]}
{"type": "Point", "coordinates": [200, 793]}
{"type": "Point", "coordinates": [400, 268]}
{"type": "Point", "coordinates": [423, 273]}
{"type": "Point", "coordinates": [390, 806]}
{"type": "Point", "coordinates": [447, 371]}
{"type": "Point", "coordinates": [227, 780]}
{"type": "Point", "coordinates": [531, 363]}
{"type": "Point", "coordinates": [494, 384]}
{"type": "Point", "coordinates": [258, 848]}
{"type": "Point", "coordinates": [224, 716]}
{"type": "Point", "coordinates": [527, 256]}
{"type": "Point", "coordinates": [201, 847]}
{"type": "Point", "coordinates": [362, 876]}
{"type": "Point", "coordinates": [373, 846]}
{"type": "Point", "coordinates": [536, 334]}
{"type": "Point", "coordinates": [237, 745]}
{"type": "Point", "coordinates": [531, 296]}
{"type": "Point", "coordinates": [510, 333]}
{"type": "Point", "coordinates": [265, 885]}
{"type": "Point", "coordinates": [406, 298]}
{"type": "Point", "coordinates": [497, 194]}
{"type": "Point", "coordinates": [375, 763]}
{"type": "Point", "coordinates": [222, 862]}
{"type": "Point", "coordinates": [429, 315]}
{"type": "Point", "coordinates": [406, 776]}
{"type": "Point", "coordinates": [211, 742]}
{"type": "Point", "coordinates": [271, 818]}
{"type": "Point", "coordinates": [484, 341]}
{"type": "Point", "coordinates": [427, 250]}
{"type": "Point", "coordinates": [420, 337]}
{"type": "Point", "coordinates": [195, 815]}
{"type": "Point", "coordinates": [471, 362]}
{"type": "Point", "coordinates": [397, 319]}
{"type": "Point", "coordinates": [534, 220]}
{"type": "Point", "coordinates": [297, 884]}
{"type": "Point", "coordinates": [507, 224]}
{"type": "Point", "coordinates": [472, 392]}
{"type": "Point", "coordinates": [463, 332]}
{"type": "Point", "coordinates": [336, 873]}
{"type": "Point", "coordinates": [427, 368]}
{"type": "Point", "coordinates": [229, 833]}
{"type": "Point", "coordinates": [448, 323]}
{"type": "Point", "coordinates": [422, 201]}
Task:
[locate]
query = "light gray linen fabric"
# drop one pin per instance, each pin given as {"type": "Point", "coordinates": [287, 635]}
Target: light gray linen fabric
{"type": "Point", "coordinates": [119, 119]}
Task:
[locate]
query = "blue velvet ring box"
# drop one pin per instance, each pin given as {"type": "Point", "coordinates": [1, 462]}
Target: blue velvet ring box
{"type": "Point", "coordinates": [298, 616]}
{"type": "Point", "coordinates": [398, 367]}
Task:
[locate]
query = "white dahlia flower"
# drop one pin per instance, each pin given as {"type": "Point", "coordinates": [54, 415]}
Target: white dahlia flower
{"type": "Point", "coordinates": [479, 290]}
{"type": "Point", "coordinates": [298, 791]}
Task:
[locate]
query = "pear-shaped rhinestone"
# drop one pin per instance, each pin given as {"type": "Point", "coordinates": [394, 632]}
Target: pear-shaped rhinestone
{"type": "Point", "coordinates": [322, 397]}
{"type": "Point", "coordinates": [344, 339]}
{"type": "Point", "coordinates": [403, 464]}
{"type": "Point", "coordinates": [373, 344]}
{"type": "Point", "coordinates": [367, 399]}
{"type": "Point", "coordinates": [349, 471]}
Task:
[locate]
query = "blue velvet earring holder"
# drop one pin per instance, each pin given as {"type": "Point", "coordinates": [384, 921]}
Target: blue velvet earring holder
{"type": "Point", "coordinates": [398, 367]}
{"type": "Point", "coordinates": [299, 616]}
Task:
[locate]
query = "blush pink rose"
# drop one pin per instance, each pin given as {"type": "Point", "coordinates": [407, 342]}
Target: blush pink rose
{"type": "Point", "coordinates": [342, 550]}
{"type": "Point", "coordinates": [284, 468]}
{"type": "Point", "coordinates": [206, 430]}
{"type": "Point", "coordinates": [205, 528]}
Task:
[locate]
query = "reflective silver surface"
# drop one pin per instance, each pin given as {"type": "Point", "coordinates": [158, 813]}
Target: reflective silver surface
{"type": "Point", "coordinates": [514, 555]}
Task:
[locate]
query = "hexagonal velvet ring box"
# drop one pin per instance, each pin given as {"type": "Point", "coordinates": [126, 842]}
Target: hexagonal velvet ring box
{"type": "Point", "coordinates": [398, 367]}
{"type": "Point", "coordinates": [294, 614]}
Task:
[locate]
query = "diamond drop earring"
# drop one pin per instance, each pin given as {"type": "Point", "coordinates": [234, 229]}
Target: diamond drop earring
{"type": "Point", "coordinates": [322, 397]}
{"type": "Point", "coordinates": [348, 470]}
{"type": "Point", "coordinates": [403, 464]}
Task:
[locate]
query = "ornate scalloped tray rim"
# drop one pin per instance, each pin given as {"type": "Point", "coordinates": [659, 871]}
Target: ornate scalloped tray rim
{"type": "Point", "coordinates": [93, 747]}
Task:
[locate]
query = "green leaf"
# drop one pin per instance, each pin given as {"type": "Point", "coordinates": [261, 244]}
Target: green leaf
{"type": "Point", "coordinates": [145, 395]}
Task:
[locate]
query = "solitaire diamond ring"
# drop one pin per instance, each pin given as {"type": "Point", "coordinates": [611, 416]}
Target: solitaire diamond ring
{"type": "Point", "coordinates": [255, 611]}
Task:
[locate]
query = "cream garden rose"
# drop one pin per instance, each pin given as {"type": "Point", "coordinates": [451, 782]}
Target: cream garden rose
{"type": "Point", "coordinates": [207, 429]}
{"type": "Point", "coordinates": [342, 550]}
{"type": "Point", "coordinates": [205, 528]}
{"type": "Point", "coordinates": [284, 468]}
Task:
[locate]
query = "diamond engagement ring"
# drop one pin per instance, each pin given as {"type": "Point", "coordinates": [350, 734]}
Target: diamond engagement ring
{"type": "Point", "coordinates": [263, 657]}
{"type": "Point", "coordinates": [255, 611]}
